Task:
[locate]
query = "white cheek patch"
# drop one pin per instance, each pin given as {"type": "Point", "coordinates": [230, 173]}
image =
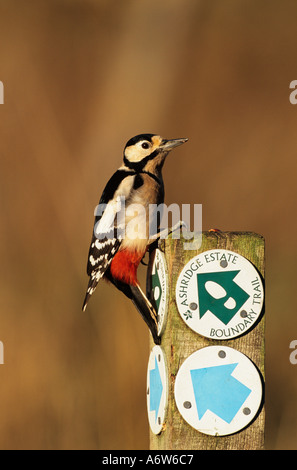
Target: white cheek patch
{"type": "Point", "coordinates": [136, 153]}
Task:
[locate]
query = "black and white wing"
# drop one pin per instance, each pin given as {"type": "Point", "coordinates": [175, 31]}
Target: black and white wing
{"type": "Point", "coordinates": [106, 241]}
{"type": "Point", "coordinates": [108, 229]}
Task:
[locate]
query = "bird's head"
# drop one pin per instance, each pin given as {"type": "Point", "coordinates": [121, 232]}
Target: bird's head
{"type": "Point", "coordinates": [148, 149]}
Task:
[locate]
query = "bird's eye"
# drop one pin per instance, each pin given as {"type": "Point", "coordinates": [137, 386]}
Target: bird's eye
{"type": "Point", "coordinates": [145, 145]}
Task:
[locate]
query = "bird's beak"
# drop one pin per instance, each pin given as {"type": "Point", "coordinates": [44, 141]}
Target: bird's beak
{"type": "Point", "coordinates": [170, 144]}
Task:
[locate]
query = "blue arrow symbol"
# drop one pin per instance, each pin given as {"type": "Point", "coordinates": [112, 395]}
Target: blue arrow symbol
{"type": "Point", "coordinates": [216, 390]}
{"type": "Point", "coordinates": [156, 389]}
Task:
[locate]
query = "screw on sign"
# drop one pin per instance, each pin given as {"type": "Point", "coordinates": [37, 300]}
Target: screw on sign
{"type": "Point", "coordinates": [218, 390]}
{"type": "Point", "coordinates": [219, 294]}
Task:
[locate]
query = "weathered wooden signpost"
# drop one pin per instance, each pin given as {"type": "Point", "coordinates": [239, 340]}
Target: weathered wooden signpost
{"type": "Point", "coordinates": [205, 382]}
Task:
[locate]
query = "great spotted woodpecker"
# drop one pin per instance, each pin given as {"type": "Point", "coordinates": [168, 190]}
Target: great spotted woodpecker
{"type": "Point", "coordinates": [113, 254]}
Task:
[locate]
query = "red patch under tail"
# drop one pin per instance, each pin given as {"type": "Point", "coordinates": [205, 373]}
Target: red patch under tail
{"type": "Point", "coordinates": [124, 266]}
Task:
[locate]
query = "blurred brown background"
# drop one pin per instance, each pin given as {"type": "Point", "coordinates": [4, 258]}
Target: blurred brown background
{"type": "Point", "coordinates": [81, 77]}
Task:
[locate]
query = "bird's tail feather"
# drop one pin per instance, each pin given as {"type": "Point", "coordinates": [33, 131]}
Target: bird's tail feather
{"type": "Point", "coordinates": [142, 304]}
{"type": "Point", "coordinates": [94, 279]}
{"type": "Point", "coordinates": [137, 296]}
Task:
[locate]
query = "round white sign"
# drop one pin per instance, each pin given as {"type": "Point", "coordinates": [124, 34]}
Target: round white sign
{"type": "Point", "coordinates": [157, 389]}
{"type": "Point", "coordinates": [219, 294]}
{"type": "Point", "coordinates": [218, 390]}
{"type": "Point", "coordinates": [157, 287]}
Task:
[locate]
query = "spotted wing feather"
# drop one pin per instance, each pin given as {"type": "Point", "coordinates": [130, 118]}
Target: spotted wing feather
{"type": "Point", "coordinates": [100, 256]}
{"type": "Point", "coordinates": [108, 232]}
{"type": "Point", "coordinates": [106, 241]}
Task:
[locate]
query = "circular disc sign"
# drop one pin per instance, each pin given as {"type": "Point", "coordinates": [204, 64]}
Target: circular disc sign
{"type": "Point", "coordinates": [219, 294]}
{"type": "Point", "coordinates": [157, 389]}
{"type": "Point", "coordinates": [218, 390]}
{"type": "Point", "coordinates": [157, 290]}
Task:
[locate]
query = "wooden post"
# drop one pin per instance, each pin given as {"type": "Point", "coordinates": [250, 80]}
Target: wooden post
{"type": "Point", "coordinates": [179, 342]}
